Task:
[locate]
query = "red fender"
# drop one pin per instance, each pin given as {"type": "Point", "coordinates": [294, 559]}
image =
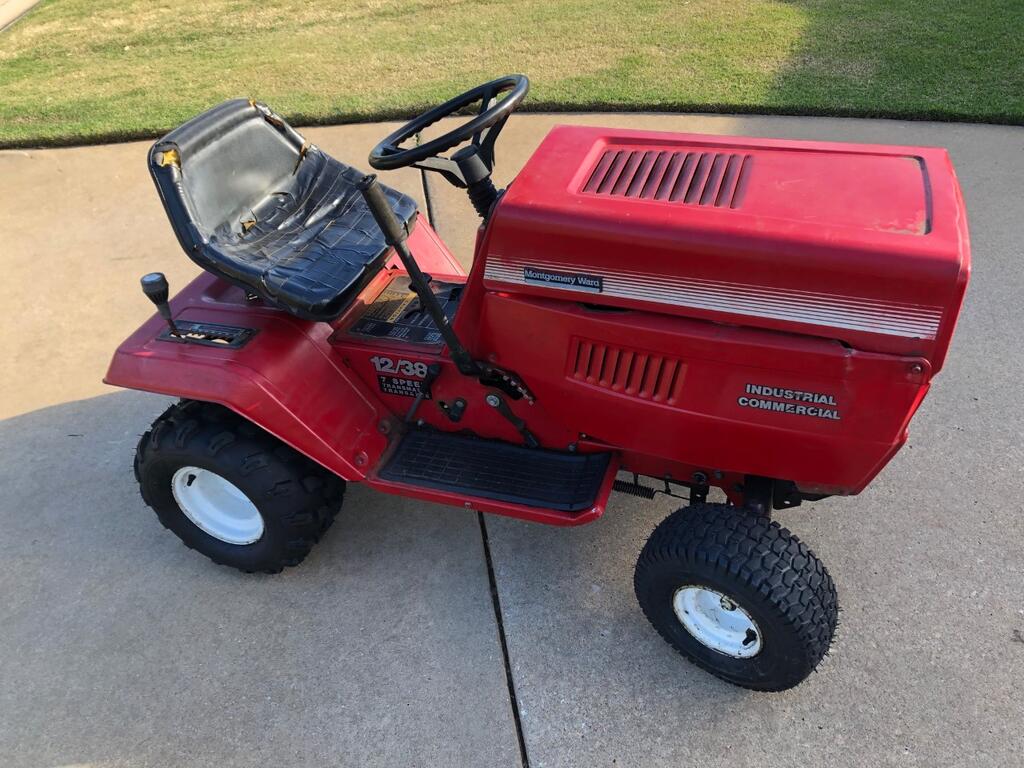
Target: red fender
{"type": "Point", "coordinates": [286, 379]}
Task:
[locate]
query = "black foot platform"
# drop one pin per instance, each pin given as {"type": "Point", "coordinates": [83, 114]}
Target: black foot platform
{"type": "Point", "coordinates": [488, 469]}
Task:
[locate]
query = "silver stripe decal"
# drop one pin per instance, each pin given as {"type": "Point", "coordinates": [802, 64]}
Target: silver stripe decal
{"type": "Point", "coordinates": [829, 310]}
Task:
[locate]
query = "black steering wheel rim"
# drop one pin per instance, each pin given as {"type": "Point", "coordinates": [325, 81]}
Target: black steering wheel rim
{"type": "Point", "coordinates": [482, 130]}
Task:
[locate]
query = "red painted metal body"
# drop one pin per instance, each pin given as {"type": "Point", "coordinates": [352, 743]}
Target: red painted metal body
{"type": "Point", "coordinates": [690, 303]}
{"type": "Point", "coordinates": [865, 244]}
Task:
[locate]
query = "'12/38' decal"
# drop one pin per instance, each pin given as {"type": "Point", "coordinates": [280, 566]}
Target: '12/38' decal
{"type": "Point", "coordinates": [399, 377]}
{"type": "Point", "coordinates": [400, 367]}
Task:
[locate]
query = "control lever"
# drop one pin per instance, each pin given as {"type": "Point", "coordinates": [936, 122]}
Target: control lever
{"type": "Point", "coordinates": [154, 285]}
{"type": "Point", "coordinates": [395, 236]}
{"type": "Point", "coordinates": [433, 371]}
{"type": "Point", "coordinates": [498, 403]}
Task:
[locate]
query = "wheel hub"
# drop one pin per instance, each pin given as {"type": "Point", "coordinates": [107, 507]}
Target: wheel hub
{"type": "Point", "coordinates": [715, 620]}
{"type": "Point", "coordinates": [216, 506]}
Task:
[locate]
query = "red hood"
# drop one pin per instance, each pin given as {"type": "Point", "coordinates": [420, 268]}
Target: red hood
{"type": "Point", "coordinates": [863, 243]}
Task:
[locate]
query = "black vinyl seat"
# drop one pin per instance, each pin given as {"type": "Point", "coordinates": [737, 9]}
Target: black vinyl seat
{"type": "Point", "coordinates": [254, 203]}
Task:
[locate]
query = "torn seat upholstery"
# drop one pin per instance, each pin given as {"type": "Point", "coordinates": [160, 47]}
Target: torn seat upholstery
{"type": "Point", "coordinates": [255, 204]}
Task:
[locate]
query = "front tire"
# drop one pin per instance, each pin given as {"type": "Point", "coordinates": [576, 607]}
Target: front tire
{"type": "Point", "coordinates": [232, 491]}
{"type": "Point", "coordinates": [738, 595]}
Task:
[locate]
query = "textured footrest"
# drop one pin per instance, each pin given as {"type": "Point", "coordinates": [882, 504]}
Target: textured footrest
{"type": "Point", "coordinates": [488, 469]}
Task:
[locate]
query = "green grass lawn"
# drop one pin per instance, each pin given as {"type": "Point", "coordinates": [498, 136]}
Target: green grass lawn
{"type": "Point", "coordinates": [77, 71]}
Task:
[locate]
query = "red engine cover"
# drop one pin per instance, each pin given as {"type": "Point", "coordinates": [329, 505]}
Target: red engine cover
{"type": "Point", "coordinates": [860, 243]}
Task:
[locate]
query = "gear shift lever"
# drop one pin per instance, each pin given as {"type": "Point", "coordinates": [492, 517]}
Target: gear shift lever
{"type": "Point", "coordinates": [154, 285]}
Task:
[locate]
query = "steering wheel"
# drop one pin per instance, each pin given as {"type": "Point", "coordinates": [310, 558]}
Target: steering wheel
{"type": "Point", "coordinates": [481, 131]}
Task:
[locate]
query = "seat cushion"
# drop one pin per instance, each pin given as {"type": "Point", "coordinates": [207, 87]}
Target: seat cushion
{"type": "Point", "coordinates": [255, 204]}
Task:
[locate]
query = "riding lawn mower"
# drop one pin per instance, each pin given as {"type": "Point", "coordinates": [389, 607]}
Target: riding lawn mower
{"type": "Point", "coordinates": [646, 313]}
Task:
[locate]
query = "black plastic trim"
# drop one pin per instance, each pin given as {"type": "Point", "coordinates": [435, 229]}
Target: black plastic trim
{"type": "Point", "coordinates": [208, 335]}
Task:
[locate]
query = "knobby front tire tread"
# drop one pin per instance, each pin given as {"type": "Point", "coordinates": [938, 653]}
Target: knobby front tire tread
{"type": "Point", "coordinates": [297, 498]}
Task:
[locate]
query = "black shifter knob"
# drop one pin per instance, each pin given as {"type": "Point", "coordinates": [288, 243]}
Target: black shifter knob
{"type": "Point", "coordinates": [154, 285]}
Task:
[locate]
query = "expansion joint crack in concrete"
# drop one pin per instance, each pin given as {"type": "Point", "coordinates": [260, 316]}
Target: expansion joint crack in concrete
{"type": "Point", "coordinates": [510, 681]}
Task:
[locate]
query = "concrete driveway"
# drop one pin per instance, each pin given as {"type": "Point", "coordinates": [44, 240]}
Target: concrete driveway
{"type": "Point", "coordinates": [12, 10]}
{"type": "Point", "coordinates": [119, 647]}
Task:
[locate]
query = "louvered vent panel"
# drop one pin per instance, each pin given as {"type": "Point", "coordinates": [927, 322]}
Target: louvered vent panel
{"type": "Point", "coordinates": [637, 374]}
{"type": "Point", "coordinates": [698, 178]}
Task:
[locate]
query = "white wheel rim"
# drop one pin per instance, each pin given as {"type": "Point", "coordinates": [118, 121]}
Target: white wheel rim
{"type": "Point", "coordinates": [717, 621]}
{"type": "Point", "coordinates": [216, 506]}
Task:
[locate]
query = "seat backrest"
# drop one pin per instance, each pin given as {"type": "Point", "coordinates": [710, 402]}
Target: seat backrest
{"type": "Point", "coordinates": [222, 163]}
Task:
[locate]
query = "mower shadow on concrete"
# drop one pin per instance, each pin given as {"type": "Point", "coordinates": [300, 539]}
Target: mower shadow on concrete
{"type": "Point", "coordinates": [118, 646]}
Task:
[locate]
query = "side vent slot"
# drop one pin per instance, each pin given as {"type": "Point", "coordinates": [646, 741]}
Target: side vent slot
{"type": "Point", "coordinates": [717, 179]}
{"type": "Point", "coordinates": [633, 373]}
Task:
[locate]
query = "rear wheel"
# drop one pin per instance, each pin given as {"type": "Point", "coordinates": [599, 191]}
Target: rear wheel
{"type": "Point", "coordinates": [738, 595]}
{"type": "Point", "coordinates": [233, 492]}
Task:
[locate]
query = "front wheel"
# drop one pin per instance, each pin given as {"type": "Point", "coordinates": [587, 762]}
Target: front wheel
{"type": "Point", "coordinates": [232, 491]}
{"type": "Point", "coordinates": [738, 595]}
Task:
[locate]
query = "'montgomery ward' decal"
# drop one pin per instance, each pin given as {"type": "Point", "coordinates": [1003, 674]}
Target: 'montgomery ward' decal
{"type": "Point", "coordinates": [577, 281]}
{"type": "Point", "coordinates": [820, 405]}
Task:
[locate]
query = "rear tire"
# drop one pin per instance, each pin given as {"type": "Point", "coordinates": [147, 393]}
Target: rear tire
{"type": "Point", "coordinates": [295, 498]}
{"type": "Point", "coordinates": [738, 595]}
